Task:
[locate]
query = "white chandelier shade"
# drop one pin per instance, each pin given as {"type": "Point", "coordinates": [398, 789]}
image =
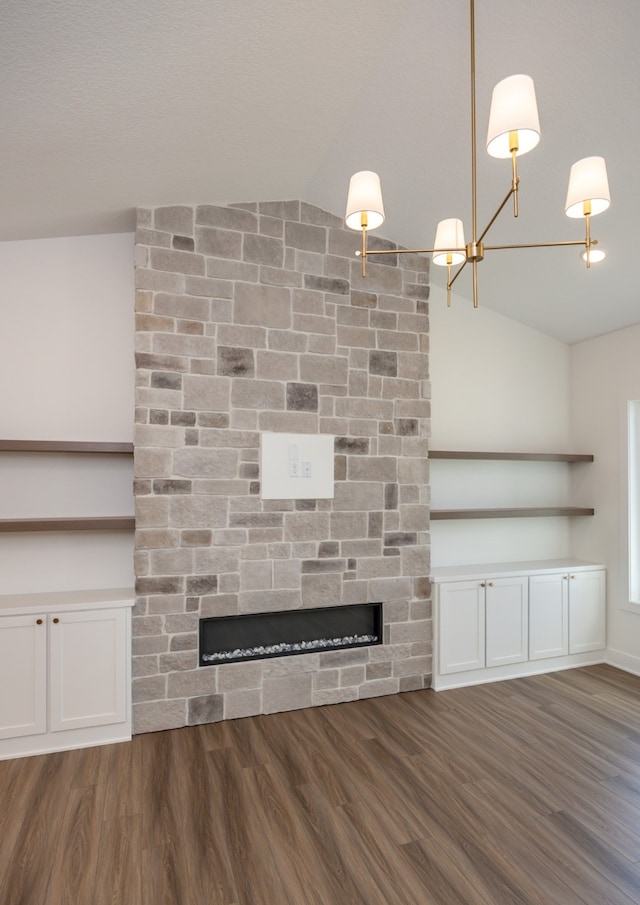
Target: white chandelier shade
{"type": "Point", "coordinates": [449, 242]}
{"type": "Point", "coordinates": [513, 110]}
{"type": "Point", "coordinates": [364, 201]}
{"type": "Point", "coordinates": [588, 190]}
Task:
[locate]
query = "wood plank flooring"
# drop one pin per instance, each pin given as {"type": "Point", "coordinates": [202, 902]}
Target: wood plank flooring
{"type": "Point", "coordinates": [524, 792]}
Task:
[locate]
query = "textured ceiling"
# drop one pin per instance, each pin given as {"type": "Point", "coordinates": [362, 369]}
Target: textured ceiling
{"type": "Point", "coordinates": [109, 106]}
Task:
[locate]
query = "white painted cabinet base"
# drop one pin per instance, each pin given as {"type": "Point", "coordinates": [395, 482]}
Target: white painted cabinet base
{"type": "Point", "coordinates": [64, 671]}
{"type": "Point", "coordinates": [520, 619]}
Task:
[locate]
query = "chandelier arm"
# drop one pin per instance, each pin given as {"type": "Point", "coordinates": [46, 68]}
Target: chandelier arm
{"type": "Point", "coordinates": [406, 251]}
{"type": "Point", "coordinates": [497, 213]}
{"type": "Point", "coordinates": [457, 274]}
{"type": "Point", "coordinates": [539, 245]}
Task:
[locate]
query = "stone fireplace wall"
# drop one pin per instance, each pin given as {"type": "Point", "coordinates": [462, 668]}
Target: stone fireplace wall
{"type": "Point", "coordinates": [256, 318]}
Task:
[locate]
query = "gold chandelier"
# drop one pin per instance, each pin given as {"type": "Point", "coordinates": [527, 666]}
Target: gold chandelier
{"type": "Point", "coordinates": [514, 129]}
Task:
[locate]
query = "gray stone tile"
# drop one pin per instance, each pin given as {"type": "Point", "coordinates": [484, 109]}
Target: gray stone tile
{"type": "Point", "coordinates": [242, 703]}
{"type": "Point", "coordinates": [225, 217]}
{"type": "Point", "coordinates": [205, 709]}
{"type": "Point", "coordinates": [267, 306]}
{"type": "Point", "coordinates": [155, 716]}
{"type": "Point", "coordinates": [235, 362]}
{"type": "Point", "coordinates": [302, 397]}
{"type": "Point", "coordinates": [286, 693]}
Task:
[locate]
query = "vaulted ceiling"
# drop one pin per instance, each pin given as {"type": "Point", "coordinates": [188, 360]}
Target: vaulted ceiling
{"type": "Point", "coordinates": [109, 106]}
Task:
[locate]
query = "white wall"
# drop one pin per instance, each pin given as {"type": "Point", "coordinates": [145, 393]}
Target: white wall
{"type": "Point", "coordinates": [67, 370]}
{"type": "Point", "coordinates": [605, 374]}
{"type": "Point", "coordinates": [497, 385]}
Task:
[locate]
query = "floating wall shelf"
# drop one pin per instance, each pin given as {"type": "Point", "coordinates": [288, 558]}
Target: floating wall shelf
{"type": "Point", "coordinates": [528, 512]}
{"type": "Point", "coordinates": [85, 523]}
{"type": "Point", "coordinates": [96, 523]}
{"type": "Point", "coordinates": [65, 446]}
{"type": "Point", "coordinates": [532, 512]}
{"type": "Point", "coordinates": [509, 456]}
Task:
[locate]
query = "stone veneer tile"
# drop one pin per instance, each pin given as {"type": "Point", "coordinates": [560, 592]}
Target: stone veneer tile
{"type": "Point", "coordinates": [193, 683]}
{"type": "Point", "coordinates": [268, 601]}
{"type": "Point", "coordinates": [225, 217]}
{"type": "Point", "coordinates": [266, 306]}
{"type": "Point", "coordinates": [276, 365]}
{"type": "Point", "coordinates": [281, 694]}
{"type": "Point", "coordinates": [263, 250]}
{"type": "Point", "coordinates": [176, 219]}
{"type": "Point", "coordinates": [352, 675]}
{"type": "Point", "coordinates": [286, 573]}
{"type": "Point", "coordinates": [257, 394]}
{"type": "Point", "coordinates": [302, 397]}
{"type": "Point", "coordinates": [329, 369]}
{"type": "Point", "coordinates": [235, 362]}
{"type": "Point", "coordinates": [291, 666]}
{"type": "Point", "coordinates": [334, 696]}
{"type": "Point", "coordinates": [414, 666]}
{"type": "Point", "coordinates": [205, 709]}
{"type": "Point", "coordinates": [256, 575]}
{"type": "Point", "coordinates": [158, 715]}
{"type": "Point", "coordinates": [242, 703]}
{"type": "Point", "coordinates": [219, 243]}
{"type": "Point", "coordinates": [326, 678]}
{"type": "Point", "coordinates": [377, 687]}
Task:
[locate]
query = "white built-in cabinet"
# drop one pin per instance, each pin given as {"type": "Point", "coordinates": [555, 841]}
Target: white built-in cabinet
{"type": "Point", "coordinates": [64, 670]}
{"type": "Point", "coordinates": [482, 623]}
{"type": "Point", "coordinates": [506, 629]}
{"type": "Point", "coordinates": [567, 615]}
{"type": "Point", "coordinates": [513, 619]}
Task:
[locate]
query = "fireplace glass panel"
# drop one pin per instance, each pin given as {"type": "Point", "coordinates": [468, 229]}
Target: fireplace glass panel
{"type": "Point", "coordinates": [229, 639]}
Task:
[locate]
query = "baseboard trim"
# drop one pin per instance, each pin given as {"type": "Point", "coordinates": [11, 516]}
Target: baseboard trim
{"type": "Point", "coordinates": [621, 660]}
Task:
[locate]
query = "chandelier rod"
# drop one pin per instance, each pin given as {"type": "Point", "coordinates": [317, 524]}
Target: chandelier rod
{"type": "Point", "coordinates": [474, 200]}
{"type": "Point", "coordinates": [425, 251]}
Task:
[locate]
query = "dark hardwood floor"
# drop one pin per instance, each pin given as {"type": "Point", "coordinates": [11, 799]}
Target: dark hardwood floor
{"type": "Point", "coordinates": [524, 792]}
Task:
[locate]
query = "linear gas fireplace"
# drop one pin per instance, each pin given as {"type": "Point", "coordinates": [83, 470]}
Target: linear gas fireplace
{"type": "Point", "coordinates": [229, 639]}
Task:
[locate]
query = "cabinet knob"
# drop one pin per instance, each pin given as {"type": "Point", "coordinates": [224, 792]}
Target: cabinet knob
{"type": "Point", "coordinates": [490, 584]}
{"type": "Point", "coordinates": [56, 620]}
{"type": "Point", "coordinates": [38, 621]}
{"type": "Point", "coordinates": [573, 577]}
{"type": "Point", "coordinates": [483, 584]}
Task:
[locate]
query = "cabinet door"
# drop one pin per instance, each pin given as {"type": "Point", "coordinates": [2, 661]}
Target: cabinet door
{"type": "Point", "coordinates": [88, 672]}
{"type": "Point", "coordinates": [460, 626]}
{"type": "Point", "coordinates": [586, 611]}
{"type": "Point", "coordinates": [548, 616]}
{"type": "Point", "coordinates": [23, 676]}
{"type": "Point", "coordinates": [507, 620]}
